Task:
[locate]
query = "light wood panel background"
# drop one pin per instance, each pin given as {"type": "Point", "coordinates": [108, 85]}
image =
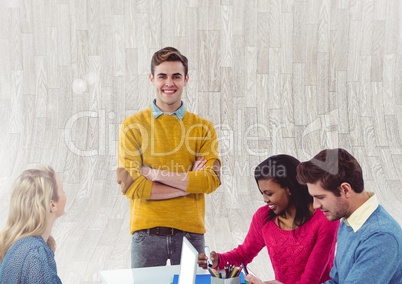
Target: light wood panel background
{"type": "Point", "coordinates": [273, 76]}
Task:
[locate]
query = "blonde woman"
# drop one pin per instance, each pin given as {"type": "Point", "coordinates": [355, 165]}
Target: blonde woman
{"type": "Point", "coordinates": [26, 247]}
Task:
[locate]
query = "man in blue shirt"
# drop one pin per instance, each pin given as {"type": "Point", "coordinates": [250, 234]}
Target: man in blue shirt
{"type": "Point", "coordinates": [369, 248]}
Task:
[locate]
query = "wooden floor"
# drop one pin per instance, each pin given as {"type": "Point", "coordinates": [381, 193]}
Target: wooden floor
{"type": "Point", "coordinates": [273, 76]}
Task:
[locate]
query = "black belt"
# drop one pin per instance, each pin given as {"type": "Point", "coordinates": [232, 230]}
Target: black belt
{"type": "Point", "coordinates": [163, 231]}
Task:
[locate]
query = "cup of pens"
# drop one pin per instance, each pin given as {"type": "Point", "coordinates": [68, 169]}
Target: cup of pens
{"type": "Point", "coordinates": [229, 275]}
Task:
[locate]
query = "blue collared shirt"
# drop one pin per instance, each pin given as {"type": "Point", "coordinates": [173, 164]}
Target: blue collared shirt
{"type": "Point", "coordinates": [158, 112]}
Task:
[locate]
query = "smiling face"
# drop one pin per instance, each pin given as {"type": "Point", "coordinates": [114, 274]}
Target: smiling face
{"type": "Point", "coordinates": [277, 197]}
{"type": "Point", "coordinates": [333, 207]}
{"type": "Point", "coordinates": [169, 80]}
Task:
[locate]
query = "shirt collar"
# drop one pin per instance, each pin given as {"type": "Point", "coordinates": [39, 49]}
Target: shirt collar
{"type": "Point", "coordinates": [157, 112]}
{"type": "Point", "coordinates": [360, 216]}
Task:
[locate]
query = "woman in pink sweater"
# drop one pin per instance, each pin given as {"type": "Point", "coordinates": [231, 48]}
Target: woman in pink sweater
{"type": "Point", "coordinates": [300, 240]}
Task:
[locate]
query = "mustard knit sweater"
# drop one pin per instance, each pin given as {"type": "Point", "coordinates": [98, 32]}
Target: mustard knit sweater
{"type": "Point", "coordinates": [167, 143]}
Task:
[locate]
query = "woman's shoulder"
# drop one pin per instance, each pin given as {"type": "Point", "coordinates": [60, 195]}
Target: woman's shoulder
{"type": "Point", "coordinates": [262, 211]}
{"type": "Point", "coordinates": [261, 214]}
{"type": "Point", "coordinates": [30, 245]}
{"type": "Point", "coordinates": [31, 241]}
{"type": "Point", "coordinates": [25, 249]}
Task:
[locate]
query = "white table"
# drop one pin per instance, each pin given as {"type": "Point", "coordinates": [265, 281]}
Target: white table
{"type": "Point", "coordinates": [146, 275]}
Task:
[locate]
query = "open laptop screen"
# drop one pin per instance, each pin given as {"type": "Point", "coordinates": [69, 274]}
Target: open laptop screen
{"type": "Point", "coordinates": [188, 263]}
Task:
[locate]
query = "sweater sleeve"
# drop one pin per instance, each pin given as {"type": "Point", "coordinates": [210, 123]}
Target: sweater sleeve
{"type": "Point", "coordinates": [133, 184]}
{"type": "Point", "coordinates": [322, 253]}
{"type": "Point", "coordinates": [252, 245]}
{"type": "Point", "coordinates": [207, 180]}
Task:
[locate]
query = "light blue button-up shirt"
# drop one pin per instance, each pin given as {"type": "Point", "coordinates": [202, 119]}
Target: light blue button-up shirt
{"type": "Point", "coordinates": [158, 112]}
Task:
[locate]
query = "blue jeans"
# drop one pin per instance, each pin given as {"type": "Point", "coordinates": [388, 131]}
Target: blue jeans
{"type": "Point", "coordinates": [152, 250]}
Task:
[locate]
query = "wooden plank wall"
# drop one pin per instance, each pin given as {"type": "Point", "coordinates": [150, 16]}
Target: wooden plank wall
{"type": "Point", "coordinates": [273, 76]}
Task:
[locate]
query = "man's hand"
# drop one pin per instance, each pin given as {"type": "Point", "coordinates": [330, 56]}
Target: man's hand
{"type": "Point", "coordinates": [149, 173]}
{"type": "Point", "coordinates": [199, 164]}
{"type": "Point", "coordinates": [172, 179]}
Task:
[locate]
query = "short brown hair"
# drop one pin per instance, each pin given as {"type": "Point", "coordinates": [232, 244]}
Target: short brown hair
{"type": "Point", "coordinates": [332, 167]}
{"type": "Point", "coordinates": [168, 54]}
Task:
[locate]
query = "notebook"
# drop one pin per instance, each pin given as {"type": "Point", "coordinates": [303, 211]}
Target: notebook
{"type": "Point", "coordinates": [204, 279]}
{"type": "Point", "coordinates": [199, 279]}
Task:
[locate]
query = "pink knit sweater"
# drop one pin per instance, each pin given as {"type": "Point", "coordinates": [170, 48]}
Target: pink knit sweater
{"type": "Point", "coordinates": [304, 255]}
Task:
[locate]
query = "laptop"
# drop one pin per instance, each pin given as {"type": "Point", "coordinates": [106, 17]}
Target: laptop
{"type": "Point", "coordinates": [188, 267]}
{"type": "Point", "coordinates": [188, 263]}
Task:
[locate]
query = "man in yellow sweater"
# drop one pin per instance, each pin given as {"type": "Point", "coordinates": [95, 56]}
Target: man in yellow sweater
{"type": "Point", "coordinates": [168, 161]}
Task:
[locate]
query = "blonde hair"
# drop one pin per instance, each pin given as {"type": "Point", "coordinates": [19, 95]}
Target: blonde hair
{"type": "Point", "coordinates": [29, 212]}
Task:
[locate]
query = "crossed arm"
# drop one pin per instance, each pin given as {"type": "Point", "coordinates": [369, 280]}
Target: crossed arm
{"type": "Point", "coordinates": [141, 182]}
{"type": "Point", "coordinates": [165, 184]}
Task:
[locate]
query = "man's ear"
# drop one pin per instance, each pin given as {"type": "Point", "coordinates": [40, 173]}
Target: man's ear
{"type": "Point", "coordinates": [151, 77]}
{"type": "Point", "coordinates": [186, 79]}
{"type": "Point", "coordinates": [346, 188]}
